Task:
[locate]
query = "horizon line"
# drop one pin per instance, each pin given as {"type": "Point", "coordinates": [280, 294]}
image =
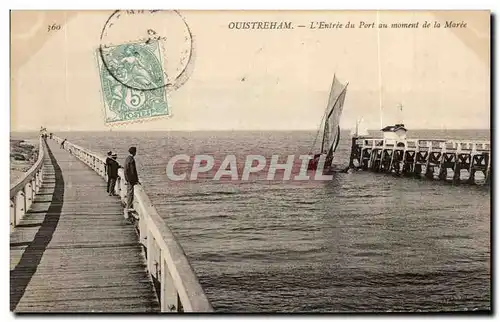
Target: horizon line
{"type": "Point", "coordinates": [241, 130]}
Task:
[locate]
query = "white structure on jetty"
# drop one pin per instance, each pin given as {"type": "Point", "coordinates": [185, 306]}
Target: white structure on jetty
{"type": "Point", "coordinates": [394, 134]}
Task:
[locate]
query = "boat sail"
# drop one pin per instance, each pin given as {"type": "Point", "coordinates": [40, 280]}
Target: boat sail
{"type": "Point", "coordinates": [331, 124]}
{"type": "Point", "coordinates": [360, 130]}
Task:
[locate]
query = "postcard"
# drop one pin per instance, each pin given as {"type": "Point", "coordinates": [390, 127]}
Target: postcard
{"type": "Point", "coordinates": [250, 161]}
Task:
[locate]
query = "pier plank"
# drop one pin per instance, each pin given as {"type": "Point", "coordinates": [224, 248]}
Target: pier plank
{"type": "Point", "coordinates": [74, 251]}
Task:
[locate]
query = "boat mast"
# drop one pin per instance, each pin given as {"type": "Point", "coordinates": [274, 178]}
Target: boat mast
{"type": "Point", "coordinates": [401, 120]}
{"type": "Point", "coordinates": [379, 72]}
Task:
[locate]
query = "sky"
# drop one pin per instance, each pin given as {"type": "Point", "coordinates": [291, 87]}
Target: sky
{"type": "Point", "coordinates": [266, 79]}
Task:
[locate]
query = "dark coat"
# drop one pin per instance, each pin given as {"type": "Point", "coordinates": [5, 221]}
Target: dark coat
{"type": "Point", "coordinates": [130, 170]}
{"type": "Point", "coordinates": [108, 161]}
{"type": "Point", "coordinates": [113, 167]}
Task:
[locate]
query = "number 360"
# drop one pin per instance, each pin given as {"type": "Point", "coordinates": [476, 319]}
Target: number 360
{"type": "Point", "coordinates": [53, 27]}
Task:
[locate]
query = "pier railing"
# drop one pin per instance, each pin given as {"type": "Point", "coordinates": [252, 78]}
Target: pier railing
{"type": "Point", "coordinates": [431, 144]}
{"type": "Point", "coordinates": [177, 285]}
{"type": "Point", "coordinates": [22, 192]}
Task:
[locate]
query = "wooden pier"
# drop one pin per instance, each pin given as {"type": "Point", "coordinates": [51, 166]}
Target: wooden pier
{"type": "Point", "coordinates": [73, 250]}
{"type": "Point", "coordinates": [436, 159]}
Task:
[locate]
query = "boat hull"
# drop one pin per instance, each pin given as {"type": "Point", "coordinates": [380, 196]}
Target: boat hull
{"type": "Point", "coordinates": [314, 163]}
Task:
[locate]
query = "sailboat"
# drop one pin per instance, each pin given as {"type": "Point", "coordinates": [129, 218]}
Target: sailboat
{"type": "Point", "coordinates": [360, 130]}
{"type": "Point", "coordinates": [330, 125]}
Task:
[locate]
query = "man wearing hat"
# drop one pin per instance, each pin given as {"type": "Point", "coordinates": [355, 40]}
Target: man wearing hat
{"type": "Point", "coordinates": [113, 174]}
{"type": "Point", "coordinates": [108, 160]}
{"type": "Point", "coordinates": [131, 177]}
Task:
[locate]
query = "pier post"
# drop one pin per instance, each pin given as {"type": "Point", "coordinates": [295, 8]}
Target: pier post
{"type": "Point", "coordinates": [409, 162]}
{"type": "Point", "coordinates": [448, 161]}
{"type": "Point", "coordinates": [12, 213]}
{"type": "Point", "coordinates": [169, 300]}
{"type": "Point", "coordinates": [351, 157]}
{"type": "Point", "coordinates": [142, 229]}
{"type": "Point", "coordinates": [376, 159]}
{"type": "Point", "coordinates": [29, 194]}
{"type": "Point", "coordinates": [366, 154]}
{"type": "Point", "coordinates": [149, 248]}
{"type": "Point", "coordinates": [390, 158]}
{"type": "Point", "coordinates": [488, 169]}
{"type": "Point", "coordinates": [462, 161]}
{"type": "Point", "coordinates": [356, 152]}
{"type": "Point", "coordinates": [422, 158]}
{"type": "Point", "coordinates": [20, 206]}
{"type": "Point", "coordinates": [429, 172]}
{"type": "Point", "coordinates": [398, 160]}
{"type": "Point", "coordinates": [480, 162]}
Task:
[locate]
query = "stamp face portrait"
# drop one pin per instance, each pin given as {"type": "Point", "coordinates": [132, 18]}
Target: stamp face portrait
{"type": "Point", "coordinates": [132, 82]}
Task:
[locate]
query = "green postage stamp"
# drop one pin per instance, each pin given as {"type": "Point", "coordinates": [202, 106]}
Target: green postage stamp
{"type": "Point", "coordinates": [133, 82]}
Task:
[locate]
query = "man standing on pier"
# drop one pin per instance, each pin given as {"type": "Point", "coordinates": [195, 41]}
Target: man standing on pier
{"type": "Point", "coordinates": [112, 173]}
{"type": "Point", "coordinates": [131, 176]}
{"type": "Point", "coordinates": [108, 163]}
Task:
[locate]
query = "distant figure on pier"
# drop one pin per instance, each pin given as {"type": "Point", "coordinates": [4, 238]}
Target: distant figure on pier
{"type": "Point", "coordinates": [131, 176]}
{"type": "Point", "coordinates": [108, 162]}
{"type": "Point", "coordinates": [112, 174]}
{"type": "Point", "coordinates": [50, 135]}
{"type": "Point", "coordinates": [62, 144]}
